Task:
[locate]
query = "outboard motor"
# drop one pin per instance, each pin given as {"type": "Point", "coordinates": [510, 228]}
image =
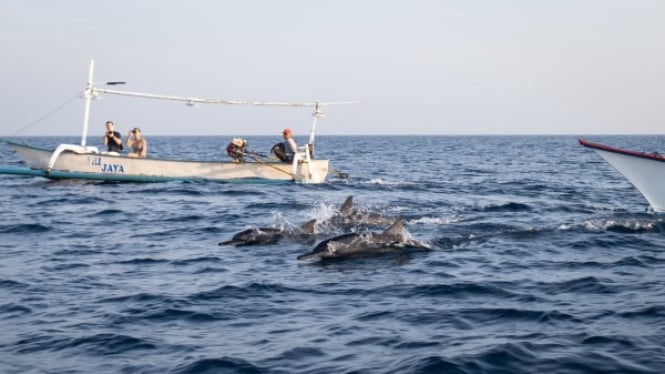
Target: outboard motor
{"type": "Point", "coordinates": [236, 149]}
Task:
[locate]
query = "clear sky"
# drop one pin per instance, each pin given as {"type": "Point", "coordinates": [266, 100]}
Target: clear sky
{"type": "Point", "coordinates": [418, 67]}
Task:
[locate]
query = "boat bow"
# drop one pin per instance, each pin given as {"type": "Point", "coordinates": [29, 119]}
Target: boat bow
{"type": "Point", "coordinates": [646, 171]}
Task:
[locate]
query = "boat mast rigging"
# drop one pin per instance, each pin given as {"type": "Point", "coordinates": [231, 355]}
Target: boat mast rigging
{"type": "Point", "coordinates": [92, 92]}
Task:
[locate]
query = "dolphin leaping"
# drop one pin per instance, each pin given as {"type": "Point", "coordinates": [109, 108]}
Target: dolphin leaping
{"type": "Point", "coordinates": [351, 245]}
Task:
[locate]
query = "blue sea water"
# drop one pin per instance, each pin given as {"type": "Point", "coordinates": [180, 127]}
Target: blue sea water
{"type": "Point", "coordinates": [547, 260]}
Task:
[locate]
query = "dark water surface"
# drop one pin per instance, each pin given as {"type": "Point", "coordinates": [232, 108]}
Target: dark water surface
{"type": "Point", "coordinates": [548, 261]}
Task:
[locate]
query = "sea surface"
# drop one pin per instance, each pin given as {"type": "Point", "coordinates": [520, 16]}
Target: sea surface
{"type": "Point", "coordinates": [547, 261]}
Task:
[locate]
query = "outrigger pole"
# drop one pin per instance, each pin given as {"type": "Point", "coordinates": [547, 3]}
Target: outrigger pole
{"type": "Point", "coordinates": [87, 96]}
{"type": "Point", "coordinates": [91, 92]}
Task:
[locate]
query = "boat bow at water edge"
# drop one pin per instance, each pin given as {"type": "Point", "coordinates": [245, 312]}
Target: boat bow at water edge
{"type": "Point", "coordinates": [646, 171]}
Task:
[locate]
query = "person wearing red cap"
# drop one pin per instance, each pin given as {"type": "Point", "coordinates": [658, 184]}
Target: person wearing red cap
{"type": "Point", "coordinates": [287, 149]}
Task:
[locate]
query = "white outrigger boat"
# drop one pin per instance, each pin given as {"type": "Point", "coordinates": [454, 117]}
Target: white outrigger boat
{"type": "Point", "coordinates": [646, 171]}
{"type": "Point", "coordinates": [80, 161]}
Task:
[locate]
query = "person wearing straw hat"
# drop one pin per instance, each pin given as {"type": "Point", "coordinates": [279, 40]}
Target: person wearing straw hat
{"type": "Point", "coordinates": [236, 149]}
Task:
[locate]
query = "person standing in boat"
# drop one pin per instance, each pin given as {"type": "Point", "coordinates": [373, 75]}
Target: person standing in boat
{"type": "Point", "coordinates": [112, 139]}
{"type": "Point", "coordinates": [138, 143]}
{"type": "Point", "coordinates": [286, 149]}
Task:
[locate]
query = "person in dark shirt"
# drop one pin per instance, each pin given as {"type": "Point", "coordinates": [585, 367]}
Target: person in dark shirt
{"type": "Point", "coordinates": [112, 138]}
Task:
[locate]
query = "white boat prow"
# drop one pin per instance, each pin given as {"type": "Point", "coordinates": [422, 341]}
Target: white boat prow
{"type": "Point", "coordinates": [646, 171]}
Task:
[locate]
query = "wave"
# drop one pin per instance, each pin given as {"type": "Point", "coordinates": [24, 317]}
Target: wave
{"type": "Point", "coordinates": [430, 364]}
{"type": "Point", "coordinates": [65, 201]}
{"type": "Point", "coordinates": [142, 261]}
{"type": "Point", "coordinates": [140, 308]}
{"type": "Point", "coordinates": [169, 191]}
{"type": "Point", "coordinates": [220, 365]}
{"type": "Point", "coordinates": [481, 316]}
{"type": "Point", "coordinates": [617, 241]}
{"type": "Point", "coordinates": [197, 260]}
{"type": "Point", "coordinates": [461, 234]}
{"type": "Point", "coordinates": [651, 311]}
{"type": "Point", "coordinates": [456, 290]}
{"type": "Point", "coordinates": [251, 290]}
{"type": "Point", "coordinates": [210, 270]}
{"type": "Point", "coordinates": [98, 344]}
{"type": "Point", "coordinates": [13, 285]}
{"type": "Point", "coordinates": [184, 218]}
{"type": "Point", "coordinates": [435, 220]}
{"type": "Point", "coordinates": [637, 224]}
{"type": "Point", "coordinates": [138, 298]}
{"type": "Point", "coordinates": [582, 285]}
{"type": "Point", "coordinates": [504, 208]}
{"type": "Point", "coordinates": [530, 357]}
{"type": "Point", "coordinates": [9, 311]}
{"type": "Point", "coordinates": [107, 212]}
{"type": "Point", "coordinates": [73, 251]}
{"type": "Point", "coordinates": [629, 261]}
{"type": "Point", "coordinates": [384, 182]}
{"type": "Point", "coordinates": [26, 228]}
{"type": "Point", "coordinates": [173, 314]}
{"type": "Point", "coordinates": [67, 266]}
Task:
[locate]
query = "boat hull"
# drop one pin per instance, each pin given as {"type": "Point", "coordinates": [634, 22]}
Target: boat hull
{"type": "Point", "coordinates": [646, 171]}
{"type": "Point", "coordinates": [109, 167]}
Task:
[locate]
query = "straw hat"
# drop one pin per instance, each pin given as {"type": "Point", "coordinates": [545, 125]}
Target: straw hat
{"type": "Point", "coordinates": [238, 142]}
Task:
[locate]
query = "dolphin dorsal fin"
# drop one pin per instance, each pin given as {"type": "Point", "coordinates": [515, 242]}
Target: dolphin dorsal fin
{"type": "Point", "coordinates": [348, 205]}
{"type": "Point", "coordinates": [396, 228]}
{"type": "Point", "coordinates": [308, 227]}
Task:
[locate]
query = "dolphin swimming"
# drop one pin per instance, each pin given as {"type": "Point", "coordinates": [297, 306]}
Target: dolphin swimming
{"type": "Point", "coordinates": [349, 216]}
{"type": "Point", "coordinates": [269, 235]}
{"type": "Point", "coordinates": [351, 245]}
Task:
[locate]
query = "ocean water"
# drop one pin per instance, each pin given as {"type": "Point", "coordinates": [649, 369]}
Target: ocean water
{"type": "Point", "coordinates": [547, 260]}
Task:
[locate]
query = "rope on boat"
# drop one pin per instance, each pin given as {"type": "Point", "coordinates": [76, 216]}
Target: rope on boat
{"type": "Point", "coordinates": [45, 116]}
{"type": "Point", "coordinates": [268, 164]}
{"type": "Point", "coordinates": [339, 174]}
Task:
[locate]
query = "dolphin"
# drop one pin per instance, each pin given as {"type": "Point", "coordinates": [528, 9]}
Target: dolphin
{"type": "Point", "coordinates": [352, 245]}
{"type": "Point", "coordinates": [349, 216]}
{"type": "Point", "coordinates": [269, 235]}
